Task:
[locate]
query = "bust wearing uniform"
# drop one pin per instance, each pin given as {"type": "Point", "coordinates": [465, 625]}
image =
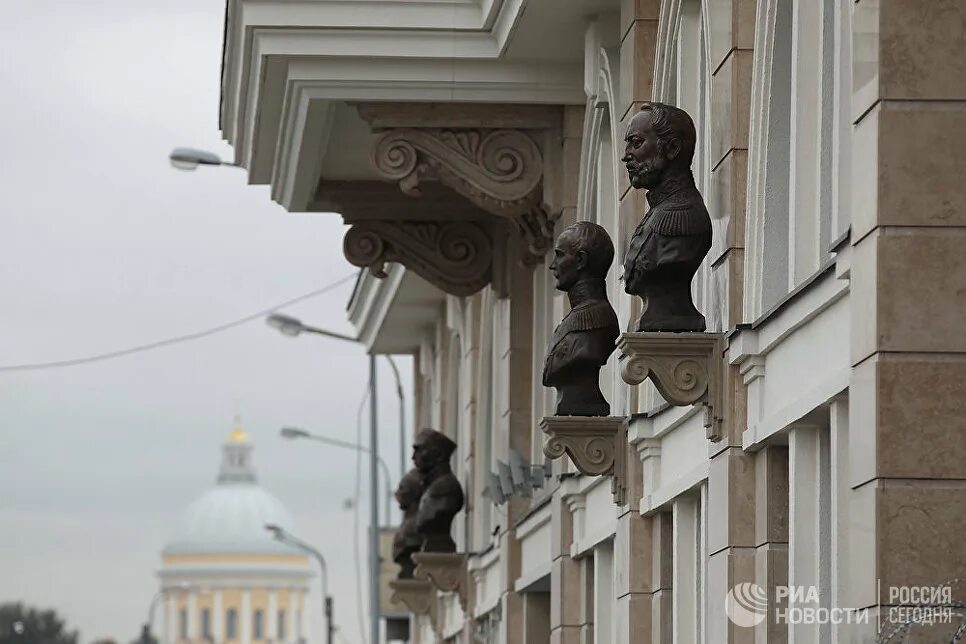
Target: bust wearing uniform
{"type": "Point", "coordinates": [585, 338]}
{"type": "Point", "coordinates": [442, 497]}
{"type": "Point", "coordinates": [406, 540]}
{"type": "Point", "coordinates": [674, 236]}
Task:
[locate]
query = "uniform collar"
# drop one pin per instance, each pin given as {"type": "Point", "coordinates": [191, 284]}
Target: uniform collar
{"type": "Point", "coordinates": [671, 185]}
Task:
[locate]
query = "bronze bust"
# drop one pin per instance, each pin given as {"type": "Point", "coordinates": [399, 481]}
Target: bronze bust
{"type": "Point", "coordinates": [585, 338]}
{"type": "Point", "coordinates": [443, 495]}
{"type": "Point", "coordinates": [674, 236]}
{"type": "Point", "coordinates": [407, 541]}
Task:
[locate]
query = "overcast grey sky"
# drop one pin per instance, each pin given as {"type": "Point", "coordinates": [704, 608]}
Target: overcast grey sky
{"type": "Point", "coordinates": [103, 246]}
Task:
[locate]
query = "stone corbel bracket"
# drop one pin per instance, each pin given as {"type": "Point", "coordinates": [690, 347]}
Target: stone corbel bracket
{"type": "Point", "coordinates": [456, 256]}
{"type": "Point", "coordinates": [499, 170]}
{"type": "Point", "coordinates": [686, 368]}
{"type": "Point", "coordinates": [597, 445]}
{"type": "Point", "coordinates": [418, 595]}
{"type": "Point", "coordinates": [446, 571]}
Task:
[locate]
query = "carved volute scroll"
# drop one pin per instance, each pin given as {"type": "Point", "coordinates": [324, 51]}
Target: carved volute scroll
{"type": "Point", "coordinates": [499, 170]}
{"type": "Point", "coordinates": [591, 442]}
{"type": "Point", "coordinates": [456, 256]}
{"type": "Point", "coordinates": [445, 570]}
{"type": "Point", "coordinates": [686, 369]}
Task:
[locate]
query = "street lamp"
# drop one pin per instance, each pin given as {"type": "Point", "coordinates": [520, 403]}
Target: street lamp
{"type": "Point", "coordinates": [279, 534]}
{"type": "Point", "coordinates": [293, 327]}
{"type": "Point", "coordinates": [292, 433]}
{"type": "Point", "coordinates": [146, 637]}
{"type": "Point", "coordinates": [190, 158]}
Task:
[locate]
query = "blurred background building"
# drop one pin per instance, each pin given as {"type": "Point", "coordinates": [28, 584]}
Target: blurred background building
{"type": "Point", "coordinates": [224, 578]}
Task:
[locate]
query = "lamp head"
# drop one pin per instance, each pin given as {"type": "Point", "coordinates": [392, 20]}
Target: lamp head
{"type": "Point", "coordinates": [285, 324]}
{"type": "Point", "coordinates": [277, 532]}
{"type": "Point", "coordinates": [190, 158]}
{"type": "Point", "coordinates": [293, 432]}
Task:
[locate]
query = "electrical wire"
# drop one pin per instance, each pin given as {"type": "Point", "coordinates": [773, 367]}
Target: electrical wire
{"type": "Point", "coordinates": [56, 364]}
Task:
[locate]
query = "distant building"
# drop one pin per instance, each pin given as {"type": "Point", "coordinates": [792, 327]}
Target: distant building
{"type": "Point", "coordinates": [226, 579]}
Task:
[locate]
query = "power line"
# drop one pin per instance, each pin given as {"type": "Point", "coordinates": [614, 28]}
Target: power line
{"type": "Point", "coordinates": [56, 364]}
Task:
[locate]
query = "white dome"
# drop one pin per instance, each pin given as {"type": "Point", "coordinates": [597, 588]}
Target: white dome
{"type": "Point", "coordinates": [231, 518]}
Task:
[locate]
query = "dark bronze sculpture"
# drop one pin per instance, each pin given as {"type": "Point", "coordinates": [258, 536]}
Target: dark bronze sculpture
{"type": "Point", "coordinates": [585, 337]}
{"type": "Point", "coordinates": [407, 541]}
{"type": "Point", "coordinates": [674, 236]}
{"type": "Point", "coordinates": [443, 495]}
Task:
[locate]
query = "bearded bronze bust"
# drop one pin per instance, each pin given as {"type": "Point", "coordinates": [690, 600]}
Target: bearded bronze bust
{"type": "Point", "coordinates": [674, 236]}
{"type": "Point", "coordinates": [442, 498]}
{"type": "Point", "coordinates": [407, 540]}
{"type": "Point", "coordinates": [584, 339]}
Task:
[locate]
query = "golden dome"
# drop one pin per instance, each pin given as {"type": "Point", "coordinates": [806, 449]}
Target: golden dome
{"type": "Point", "coordinates": [238, 434]}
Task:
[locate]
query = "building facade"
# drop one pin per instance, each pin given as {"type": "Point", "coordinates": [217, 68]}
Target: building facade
{"type": "Point", "coordinates": [456, 137]}
{"type": "Point", "coordinates": [224, 579]}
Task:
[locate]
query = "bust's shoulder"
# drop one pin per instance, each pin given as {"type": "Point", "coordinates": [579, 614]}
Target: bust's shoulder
{"type": "Point", "coordinates": [444, 484]}
{"type": "Point", "coordinates": [587, 317]}
{"type": "Point", "coordinates": [682, 214]}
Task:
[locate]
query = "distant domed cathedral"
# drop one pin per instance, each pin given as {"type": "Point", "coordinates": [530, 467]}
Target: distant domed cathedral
{"type": "Point", "coordinates": [225, 578]}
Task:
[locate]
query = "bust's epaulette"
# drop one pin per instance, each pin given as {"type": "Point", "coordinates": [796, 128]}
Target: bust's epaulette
{"type": "Point", "coordinates": [681, 219]}
{"type": "Point", "coordinates": [595, 316]}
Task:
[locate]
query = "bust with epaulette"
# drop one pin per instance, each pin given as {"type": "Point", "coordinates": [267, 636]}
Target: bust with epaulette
{"type": "Point", "coordinates": [585, 338]}
{"type": "Point", "coordinates": [674, 236]}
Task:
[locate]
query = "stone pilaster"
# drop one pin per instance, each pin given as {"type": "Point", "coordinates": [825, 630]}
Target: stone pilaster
{"type": "Point", "coordinates": [731, 535]}
{"type": "Point", "coordinates": [771, 534]}
{"type": "Point", "coordinates": [218, 617]}
{"type": "Point", "coordinates": [245, 616]}
{"type": "Point", "coordinates": [536, 618]}
{"type": "Point", "coordinates": [907, 413]}
{"type": "Point", "coordinates": [566, 606]}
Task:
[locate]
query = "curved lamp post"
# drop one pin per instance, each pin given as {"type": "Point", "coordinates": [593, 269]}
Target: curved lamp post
{"type": "Point", "coordinates": [293, 433]}
{"type": "Point", "coordinates": [294, 327]}
{"type": "Point", "coordinates": [280, 534]}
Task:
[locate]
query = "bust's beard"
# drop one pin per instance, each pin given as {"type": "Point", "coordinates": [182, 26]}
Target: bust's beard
{"type": "Point", "coordinates": [647, 177]}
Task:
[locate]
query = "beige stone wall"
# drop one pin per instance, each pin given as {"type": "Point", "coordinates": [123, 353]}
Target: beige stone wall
{"type": "Point", "coordinates": [908, 388]}
{"type": "Point", "coordinates": [863, 485]}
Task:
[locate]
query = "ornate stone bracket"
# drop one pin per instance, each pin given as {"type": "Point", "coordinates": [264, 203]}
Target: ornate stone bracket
{"type": "Point", "coordinates": [596, 444]}
{"type": "Point", "coordinates": [686, 368]}
{"type": "Point", "coordinates": [456, 257]}
{"type": "Point", "coordinates": [418, 595]}
{"type": "Point", "coordinates": [499, 170]}
{"type": "Point", "coordinates": [444, 570]}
